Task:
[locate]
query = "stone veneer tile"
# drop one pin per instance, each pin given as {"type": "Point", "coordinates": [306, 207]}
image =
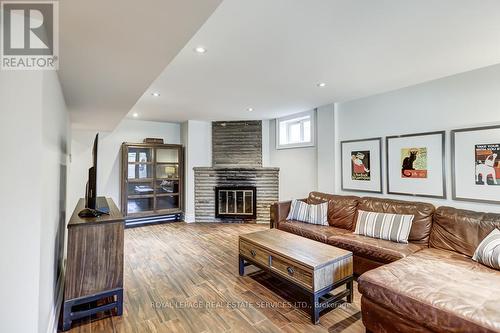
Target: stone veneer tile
{"type": "Point", "coordinates": [237, 143]}
{"type": "Point", "coordinates": [206, 179]}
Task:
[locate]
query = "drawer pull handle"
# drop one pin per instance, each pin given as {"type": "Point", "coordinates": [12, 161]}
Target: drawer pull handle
{"type": "Point", "coordinates": [253, 253]}
{"type": "Point", "coordinates": [290, 270]}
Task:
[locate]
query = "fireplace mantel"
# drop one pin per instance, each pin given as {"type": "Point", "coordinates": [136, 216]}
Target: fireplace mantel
{"type": "Point", "coordinates": [235, 168]}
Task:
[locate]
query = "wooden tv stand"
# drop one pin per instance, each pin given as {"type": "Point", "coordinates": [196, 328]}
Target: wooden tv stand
{"type": "Point", "coordinates": [94, 265]}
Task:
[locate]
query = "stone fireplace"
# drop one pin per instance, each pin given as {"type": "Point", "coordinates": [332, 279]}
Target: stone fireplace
{"type": "Point", "coordinates": [236, 181]}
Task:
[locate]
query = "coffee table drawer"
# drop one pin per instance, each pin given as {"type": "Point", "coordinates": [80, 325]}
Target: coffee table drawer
{"type": "Point", "coordinates": [255, 253]}
{"type": "Point", "coordinates": [292, 272]}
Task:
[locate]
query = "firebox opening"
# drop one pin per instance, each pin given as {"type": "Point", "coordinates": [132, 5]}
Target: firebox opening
{"type": "Point", "coordinates": [236, 202]}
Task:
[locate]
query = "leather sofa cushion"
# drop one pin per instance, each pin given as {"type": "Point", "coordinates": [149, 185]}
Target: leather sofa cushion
{"type": "Point", "coordinates": [441, 290]}
{"type": "Point", "coordinates": [312, 231]}
{"type": "Point", "coordinates": [341, 208]}
{"type": "Point", "coordinates": [461, 230]}
{"type": "Point", "coordinates": [422, 212]}
{"type": "Point", "coordinates": [362, 264]}
{"type": "Point", "coordinates": [379, 250]}
{"type": "Point", "coordinates": [377, 318]}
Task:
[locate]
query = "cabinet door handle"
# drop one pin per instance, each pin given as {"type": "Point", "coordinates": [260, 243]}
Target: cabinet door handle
{"type": "Point", "coordinates": [290, 270]}
{"type": "Point", "coordinates": [253, 253]}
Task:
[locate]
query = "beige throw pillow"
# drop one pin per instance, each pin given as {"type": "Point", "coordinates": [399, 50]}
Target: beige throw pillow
{"type": "Point", "coordinates": [393, 227]}
{"type": "Point", "coordinates": [488, 251]}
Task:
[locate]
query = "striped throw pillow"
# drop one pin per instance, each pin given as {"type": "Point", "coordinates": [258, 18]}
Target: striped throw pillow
{"type": "Point", "coordinates": [488, 251]}
{"type": "Point", "coordinates": [298, 211]}
{"type": "Point", "coordinates": [393, 227]}
{"type": "Point", "coordinates": [314, 214]}
{"type": "Point", "coordinates": [318, 214]}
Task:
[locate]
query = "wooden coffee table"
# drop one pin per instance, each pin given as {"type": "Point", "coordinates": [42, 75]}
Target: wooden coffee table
{"type": "Point", "coordinates": [315, 267]}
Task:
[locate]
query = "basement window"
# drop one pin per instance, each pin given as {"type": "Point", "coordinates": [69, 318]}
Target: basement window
{"type": "Point", "coordinates": [296, 130]}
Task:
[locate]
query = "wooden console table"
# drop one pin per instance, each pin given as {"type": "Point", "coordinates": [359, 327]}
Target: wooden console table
{"type": "Point", "coordinates": [315, 267]}
{"type": "Point", "coordinates": [94, 265]}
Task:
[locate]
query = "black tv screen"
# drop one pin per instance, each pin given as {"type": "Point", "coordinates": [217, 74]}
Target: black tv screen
{"type": "Point", "coordinates": [91, 193]}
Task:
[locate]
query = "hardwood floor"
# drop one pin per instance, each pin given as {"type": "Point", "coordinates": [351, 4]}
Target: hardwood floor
{"type": "Point", "coordinates": [184, 278]}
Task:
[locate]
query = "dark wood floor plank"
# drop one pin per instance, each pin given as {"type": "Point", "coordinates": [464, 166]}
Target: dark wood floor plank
{"type": "Point", "coordinates": [170, 268]}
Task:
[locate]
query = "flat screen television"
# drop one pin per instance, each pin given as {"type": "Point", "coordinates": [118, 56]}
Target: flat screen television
{"type": "Point", "coordinates": [94, 206]}
{"type": "Point", "coordinates": [91, 191]}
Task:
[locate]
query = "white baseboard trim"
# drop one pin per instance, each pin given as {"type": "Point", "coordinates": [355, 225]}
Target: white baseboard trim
{"type": "Point", "coordinates": [189, 217]}
{"type": "Point", "coordinates": [56, 308]}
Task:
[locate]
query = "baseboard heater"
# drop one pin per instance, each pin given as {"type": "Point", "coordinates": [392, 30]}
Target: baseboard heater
{"type": "Point", "coordinates": [140, 221]}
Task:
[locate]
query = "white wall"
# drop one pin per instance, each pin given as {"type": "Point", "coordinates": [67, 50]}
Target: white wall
{"type": "Point", "coordinates": [34, 128]}
{"type": "Point", "coordinates": [197, 140]}
{"type": "Point", "coordinates": [464, 100]}
{"type": "Point", "coordinates": [20, 119]}
{"type": "Point", "coordinates": [109, 155]}
{"type": "Point", "coordinates": [325, 130]}
{"type": "Point", "coordinates": [55, 131]}
{"type": "Point", "coordinates": [298, 167]}
{"type": "Point", "coordinates": [306, 169]}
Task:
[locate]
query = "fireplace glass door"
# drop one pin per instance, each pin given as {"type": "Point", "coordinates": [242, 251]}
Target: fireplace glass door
{"type": "Point", "coordinates": [236, 202]}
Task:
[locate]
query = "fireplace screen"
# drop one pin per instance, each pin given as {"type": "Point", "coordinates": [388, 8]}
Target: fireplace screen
{"type": "Point", "coordinates": [235, 202]}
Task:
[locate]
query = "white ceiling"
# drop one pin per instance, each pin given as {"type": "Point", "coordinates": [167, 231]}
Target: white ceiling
{"type": "Point", "coordinates": [270, 54]}
{"type": "Point", "coordinates": [112, 50]}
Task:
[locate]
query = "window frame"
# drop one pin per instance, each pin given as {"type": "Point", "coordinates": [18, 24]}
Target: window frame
{"type": "Point", "coordinates": [312, 116]}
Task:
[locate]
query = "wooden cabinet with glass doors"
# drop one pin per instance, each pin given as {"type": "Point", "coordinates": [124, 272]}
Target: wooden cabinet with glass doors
{"type": "Point", "coordinates": [152, 179]}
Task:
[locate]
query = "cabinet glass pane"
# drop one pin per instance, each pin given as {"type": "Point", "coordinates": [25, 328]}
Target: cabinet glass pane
{"type": "Point", "coordinates": [167, 202]}
{"type": "Point", "coordinates": [167, 186]}
{"type": "Point", "coordinates": [140, 205]}
{"type": "Point", "coordinates": [167, 155]}
{"type": "Point", "coordinates": [140, 171]}
{"type": "Point", "coordinates": [138, 154]}
{"type": "Point", "coordinates": [167, 171]}
{"type": "Point", "coordinates": [141, 188]}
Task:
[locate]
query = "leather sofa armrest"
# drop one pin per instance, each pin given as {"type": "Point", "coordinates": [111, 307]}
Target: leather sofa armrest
{"type": "Point", "coordinates": [279, 212]}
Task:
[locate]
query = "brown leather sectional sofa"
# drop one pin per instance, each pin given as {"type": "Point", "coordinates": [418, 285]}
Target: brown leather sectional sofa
{"type": "Point", "coordinates": [430, 284]}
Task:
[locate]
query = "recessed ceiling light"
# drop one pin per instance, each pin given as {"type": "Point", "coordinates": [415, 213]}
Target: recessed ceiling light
{"type": "Point", "coordinates": [155, 94]}
{"type": "Point", "coordinates": [250, 109]}
{"type": "Point", "coordinates": [321, 84]}
{"type": "Point", "coordinates": [135, 115]}
{"type": "Point", "coordinates": [200, 49]}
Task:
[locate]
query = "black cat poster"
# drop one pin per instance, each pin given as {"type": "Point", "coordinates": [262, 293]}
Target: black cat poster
{"type": "Point", "coordinates": [360, 165]}
{"type": "Point", "coordinates": [414, 162]}
{"type": "Point", "coordinates": [487, 164]}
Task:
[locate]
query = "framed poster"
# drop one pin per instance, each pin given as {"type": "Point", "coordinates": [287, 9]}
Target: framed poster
{"type": "Point", "coordinates": [475, 155]}
{"type": "Point", "coordinates": [416, 164]}
{"type": "Point", "coordinates": [361, 165]}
